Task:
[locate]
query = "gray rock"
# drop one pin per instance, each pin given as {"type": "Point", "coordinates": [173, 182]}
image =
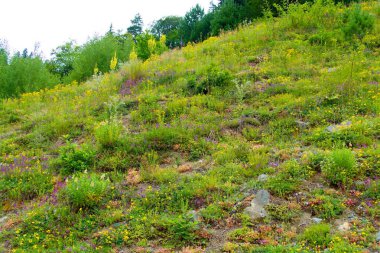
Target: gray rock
{"type": "Point", "coordinates": [302, 124]}
{"type": "Point", "coordinates": [262, 198]}
{"type": "Point", "coordinates": [334, 128]}
{"type": "Point", "coordinates": [331, 70]}
{"type": "Point", "coordinates": [316, 220]}
{"type": "Point", "coordinates": [378, 237]}
{"type": "Point", "coordinates": [256, 212]}
{"type": "Point", "coordinates": [262, 178]}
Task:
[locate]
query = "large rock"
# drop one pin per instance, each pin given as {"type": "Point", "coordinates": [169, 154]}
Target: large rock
{"type": "Point", "coordinates": [334, 128]}
{"type": "Point", "coordinates": [257, 210]}
{"type": "Point", "coordinates": [262, 198]}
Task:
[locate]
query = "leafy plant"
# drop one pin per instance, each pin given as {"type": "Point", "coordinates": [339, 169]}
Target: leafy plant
{"type": "Point", "coordinates": [75, 159]}
{"type": "Point", "coordinates": [108, 134]}
{"type": "Point", "coordinates": [340, 167]}
{"type": "Point", "coordinates": [357, 23]}
{"type": "Point", "coordinates": [317, 235]}
{"type": "Point", "coordinates": [85, 191]}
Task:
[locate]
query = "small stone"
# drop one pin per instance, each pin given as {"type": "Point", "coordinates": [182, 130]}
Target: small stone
{"type": "Point", "coordinates": [262, 198]}
{"type": "Point", "coordinates": [184, 168]}
{"type": "Point", "coordinates": [194, 215]}
{"type": "Point", "coordinates": [331, 70]}
{"type": "Point", "coordinates": [378, 237]}
{"type": "Point", "coordinates": [344, 227]}
{"type": "Point", "coordinates": [316, 220]}
{"type": "Point", "coordinates": [302, 124]}
{"type": "Point", "coordinates": [3, 219]}
{"type": "Point", "coordinates": [262, 178]}
{"type": "Point", "coordinates": [331, 128]}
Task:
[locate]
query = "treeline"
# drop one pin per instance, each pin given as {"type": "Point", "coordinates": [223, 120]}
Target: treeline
{"type": "Point", "coordinates": [28, 72]}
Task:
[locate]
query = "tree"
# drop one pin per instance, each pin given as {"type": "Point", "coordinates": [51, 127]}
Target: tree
{"type": "Point", "coordinates": [98, 52]}
{"type": "Point", "coordinates": [189, 23]}
{"type": "Point", "coordinates": [147, 45]}
{"type": "Point", "coordinates": [63, 59]}
{"type": "Point", "coordinates": [227, 16]}
{"type": "Point", "coordinates": [136, 27]}
{"type": "Point", "coordinates": [170, 27]}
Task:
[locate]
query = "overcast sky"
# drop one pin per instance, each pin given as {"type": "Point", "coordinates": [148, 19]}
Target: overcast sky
{"type": "Point", "coordinates": [53, 22]}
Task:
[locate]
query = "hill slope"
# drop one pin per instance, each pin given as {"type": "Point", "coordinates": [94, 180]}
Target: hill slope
{"type": "Point", "coordinates": [264, 139]}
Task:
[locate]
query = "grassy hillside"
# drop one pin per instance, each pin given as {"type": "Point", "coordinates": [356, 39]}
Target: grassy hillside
{"type": "Point", "coordinates": [171, 154]}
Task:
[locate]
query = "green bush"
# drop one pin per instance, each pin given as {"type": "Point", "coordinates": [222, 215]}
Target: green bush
{"type": "Point", "coordinates": [86, 191]}
{"type": "Point", "coordinates": [340, 167]}
{"type": "Point", "coordinates": [357, 23]}
{"type": "Point", "coordinates": [213, 213]}
{"type": "Point", "coordinates": [211, 78]}
{"type": "Point", "coordinates": [164, 138]}
{"type": "Point", "coordinates": [317, 235]}
{"type": "Point", "coordinates": [108, 134]}
{"type": "Point", "coordinates": [281, 185]}
{"type": "Point", "coordinates": [325, 206]}
{"type": "Point", "coordinates": [74, 159]}
{"type": "Point", "coordinates": [25, 185]}
{"type": "Point", "coordinates": [181, 229]}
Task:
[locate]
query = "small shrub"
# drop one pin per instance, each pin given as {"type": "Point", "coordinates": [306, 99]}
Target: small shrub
{"type": "Point", "coordinates": [357, 23]}
{"type": "Point", "coordinates": [164, 138]}
{"type": "Point", "coordinates": [86, 191]}
{"type": "Point", "coordinates": [282, 185]}
{"type": "Point", "coordinates": [25, 184]}
{"type": "Point", "coordinates": [340, 167]}
{"type": "Point", "coordinates": [74, 159]}
{"type": "Point", "coordinates": [317, 235]}
{"type": "Point", "coordinates": [281, 212]}
{"type": "Point", "coordinates": [325, 206]}
{"type": "Point", "coordinates": [181, 229]}
{"type": "Point", "coordinates": [212, 213]}
{"type": "Point", "coordinates": [211, 78]}
{"type": "Point", "coordinates": [108, 134]}
{"type": "Point", "coordinates": [252, 134]}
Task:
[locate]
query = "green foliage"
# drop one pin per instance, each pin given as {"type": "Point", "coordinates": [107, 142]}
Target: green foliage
{"type": "Point", "coordinates": [136, 27]}
{"type": "Point", "coordinates": [24, 184]}
{"type": "Point", "coordinates": [164, 138]}
{"type": "Point", "coordinates": [281, 185]}
{"type": "Point", "coordinates": [181, 229]}
{"type": "Point", "coordinates": [147, 45]}
{"type": "Point", "coordinates": [340, 167]}
{"type": "Point", "coordinates": [226, 17]}
{"type": "Point", "coordinates": [212, 213]}
{"type": "Point", "coordinates": [63, 59]}
{"type": "Point", "coordinates": [212, 77]}
{"type": "Point", "coordinates": [317, 235]}
{"type": "Point", "coordinates": [97, 53]}
{"type": "Point", "coordinates": [170, 27]}
{"type": "Point", "coordinates": [86, 191]}
{"type": "Point", "coordinates": [357, 23]}
{"type": "Point", "coordinates": [108, 134]}
{"type": "Point", "coordinates": [281, 212]}
{"type": "Point", "coordinates": [189, 23]}
{"type": "Point", "coordinates": [24, 74]}
{"type": "Point", "coordinates": [74, 159]}
{"type": "Point", "coordinates": [325, 206]}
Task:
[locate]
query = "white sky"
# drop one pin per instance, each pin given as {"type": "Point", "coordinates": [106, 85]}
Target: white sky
{"type": "Point", "coordinates": [53, 22]}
